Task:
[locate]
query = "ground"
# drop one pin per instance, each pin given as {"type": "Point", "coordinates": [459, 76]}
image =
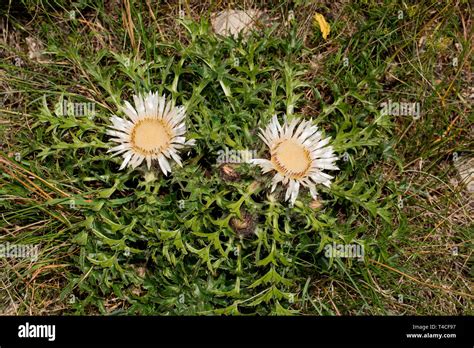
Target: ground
{"type": "Point", "coordinates": [209, 238]}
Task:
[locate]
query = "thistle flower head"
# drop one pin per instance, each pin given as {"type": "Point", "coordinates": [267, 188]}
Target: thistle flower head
{"type": "Point", "coordinates": [154, 131]}
{"type": "Point", "coordinates": [298, 156]}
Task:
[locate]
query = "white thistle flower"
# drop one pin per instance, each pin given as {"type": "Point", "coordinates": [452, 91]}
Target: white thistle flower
{"type": "Point", "coordinates": [154, 131]}
{"type": "Point", "coordinates": [298, 155]}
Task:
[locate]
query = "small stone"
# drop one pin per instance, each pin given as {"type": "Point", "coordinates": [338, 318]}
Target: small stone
{"type": "Point", "coordinates": [233, 22]}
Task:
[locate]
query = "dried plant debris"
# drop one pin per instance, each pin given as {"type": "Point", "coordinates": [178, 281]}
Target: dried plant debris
{"type": "Point", "coordinates": [228, 172]}
{"type": "Point", "coordinates": [245, 225]}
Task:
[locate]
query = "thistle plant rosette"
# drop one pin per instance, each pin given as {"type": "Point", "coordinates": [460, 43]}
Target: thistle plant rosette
{"type": "Point", "coordinates": [299, 153]}
{"type": "Point", "coordinates": [155, 131]}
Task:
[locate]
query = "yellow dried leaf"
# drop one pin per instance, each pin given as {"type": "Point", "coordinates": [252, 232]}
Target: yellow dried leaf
{"type": "Point", "coordinates": [323, 25]}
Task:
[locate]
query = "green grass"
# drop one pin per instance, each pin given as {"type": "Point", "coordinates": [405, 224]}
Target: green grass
{"type": "Point", "coordinates": [132, 242]}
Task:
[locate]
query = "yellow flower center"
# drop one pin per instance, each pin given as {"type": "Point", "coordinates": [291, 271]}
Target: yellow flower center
{"type": "Point", "coordinates": [291, 158]}
{"type": "Point", "coordinates": [150, 136]}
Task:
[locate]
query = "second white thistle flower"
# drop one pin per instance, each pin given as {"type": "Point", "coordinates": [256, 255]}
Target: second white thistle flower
{"type": "Point", "coordinates": [298, 155]}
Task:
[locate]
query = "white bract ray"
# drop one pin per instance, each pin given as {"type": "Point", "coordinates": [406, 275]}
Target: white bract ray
{"type": "Point", "coordinates": [154, 131]}
{"type": "Point", "coordinates": [299, 155]}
